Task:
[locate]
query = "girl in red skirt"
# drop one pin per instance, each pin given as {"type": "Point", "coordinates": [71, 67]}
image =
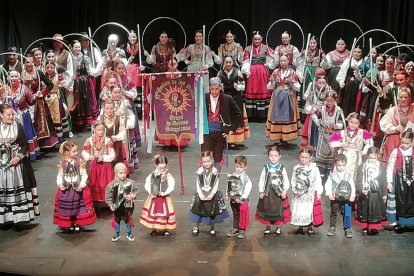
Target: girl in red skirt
{"type": "Point", "coordinates": [98, 150]}
{"type": "Point", "coordinates": [73, 202]}
{"type": "Point", "coordinates": [158, 211]}
{"type": "Point", "coordinates": [273, 206]}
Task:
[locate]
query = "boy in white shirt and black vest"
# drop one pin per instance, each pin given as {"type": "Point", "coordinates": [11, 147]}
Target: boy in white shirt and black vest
{"type": "Point", "coordinates": [340, 188]}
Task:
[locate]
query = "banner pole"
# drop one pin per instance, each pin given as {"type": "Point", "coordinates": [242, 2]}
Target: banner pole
{"type": "Point", "coordinates": [180, 161]}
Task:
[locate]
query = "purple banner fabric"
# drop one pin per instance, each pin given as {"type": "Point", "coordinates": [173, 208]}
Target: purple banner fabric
{"type": "Point", "coordinates": [174, 107]}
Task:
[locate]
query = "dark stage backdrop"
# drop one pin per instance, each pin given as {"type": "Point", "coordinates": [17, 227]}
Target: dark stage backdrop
{"type": "Point", "coordinates": [22, 22]}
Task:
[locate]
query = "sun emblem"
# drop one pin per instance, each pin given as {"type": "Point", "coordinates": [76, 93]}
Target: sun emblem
{"type": "Point", "coordinates": [176, 99]}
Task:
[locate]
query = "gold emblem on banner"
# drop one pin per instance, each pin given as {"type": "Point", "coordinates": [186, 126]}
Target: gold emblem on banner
{"type": "Point", "coordinates": [176, 98]}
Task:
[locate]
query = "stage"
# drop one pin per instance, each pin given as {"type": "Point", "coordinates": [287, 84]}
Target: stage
{"type": "Point", "coordinates": [42, 249]}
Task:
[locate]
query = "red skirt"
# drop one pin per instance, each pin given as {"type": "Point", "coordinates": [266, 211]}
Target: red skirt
{"type": "Point", "coordinates": [392, 141]}
{"type": "Point", "coordinates": [286, 215]}
{"type": "Point", "coordinates": [256, 88]}
{"type": "Point", "coordinates": [86, 217]}
{"type": "Point", "coordinates": [100, 175]}
{"type": "Point", "coordinates": [317, 212]}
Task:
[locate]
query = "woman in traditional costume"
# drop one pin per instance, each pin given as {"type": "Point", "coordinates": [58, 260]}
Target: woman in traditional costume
{"type": "Point", "coordinates": [332, 63]}
{"type": "Point", "coordinates": [349, 78]}
{"type": "Point", "coordinates": [257, 60]}
{"type": "Point", "coordinates": [21, 98]}
{"type": "Point", "coordinates": [283, 122]}
{"type": "Point", "coordinates": [18, 192]}
{"type": "Point", "coordinates": [86, 106]}
{"type": "Point", "coordinates": [231, 49]}
{"type": "Point", "coordinates": [233, 85]}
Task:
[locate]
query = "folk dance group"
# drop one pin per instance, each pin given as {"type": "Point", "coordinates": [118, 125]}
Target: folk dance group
{"type": "Point", "coordinates": [350, 103]}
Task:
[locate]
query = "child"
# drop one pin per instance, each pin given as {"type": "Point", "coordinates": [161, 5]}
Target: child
{"type": "Point", "coordinates": [208, 205]}
{"type": "Point", "coordinates": [120, 194]}
{"type": "Point", "coordinates": [315, 97]}
{"type": "Point", "coordinates": [114, 129]}
{"type": "Point", "coordinates": [340, 189]}
{"type": "Point", "coordinates": [158, 211]}
{"type": "Point", "coordinates": [239, 187]}
{"type": "Point", "coordinates": [329, 119]}
{"type": "Point", "coordinates": [372, 187]}
{"type": "Point", "coordinates": [307, 189]}
{"type": "Point", "coordinates": [99, 151]}
{"type": "Point", "coordinates": [353, 142]}
{"type": "Point", "coordinates": [400, 183]}
{"type": "Point", "coordinates": [73, 201]}
{"type": "Point", "coordinates": [273, 206]}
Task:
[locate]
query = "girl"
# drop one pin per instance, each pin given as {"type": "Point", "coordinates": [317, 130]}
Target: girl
{"type": "Point", "coordinates": [114, 130]}
{"type": "Point", "coordinates": [98, 150]}
{"type": "Point", "coordinates": [123, 109]}
{"type": "Point", "coordinates": [86, 109]}
{"type": "Point", "coordinates": [73, 201]}
{"type": "Point", "coordinates": [208, 205]}
{"type": "Point", "coordinates": [329, 119]}
{"type": "Point", "coordinates": [158, 211]}
{"type": "Point", "coordinates": [349, 79]}
{"type": "Point", "coordinates": [307, 189]}
{"type": "Point", "coordinates": [315, 97]}
{"type": "Point", "coordinates": [283, 122]}
{"type": "Point", "coordinates": [353, 142]}
{"type": "Point", "coordinates": [273, 206]}
{"type": "Point", "coordinates": [57, 102]}
{"type": "Point", "coordinates": [372, 187]}
{"type": "Point", "coordinates": [399, 183]}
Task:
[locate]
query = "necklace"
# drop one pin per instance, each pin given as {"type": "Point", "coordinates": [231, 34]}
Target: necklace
{"type": "Point", "coordinates": [4, 127]}
{"type": "Point", "coordinates": [330, 110]}
{"type": "Point", "coordinates": [402, 112]}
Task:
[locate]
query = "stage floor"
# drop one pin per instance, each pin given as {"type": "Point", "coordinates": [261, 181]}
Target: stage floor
{"type": "Point", "coordinates": [42, 249]}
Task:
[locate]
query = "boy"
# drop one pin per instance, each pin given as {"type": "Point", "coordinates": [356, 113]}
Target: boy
{"type": "Point", "coordinates": [340, 188]}
{"type": "Point", "coordinates": [120, 194]}
{"type": "Point", "coordinates": [238, 190]}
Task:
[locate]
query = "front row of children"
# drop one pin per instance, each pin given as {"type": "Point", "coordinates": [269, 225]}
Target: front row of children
{"type": "Point", "coordinates": [74, 208]}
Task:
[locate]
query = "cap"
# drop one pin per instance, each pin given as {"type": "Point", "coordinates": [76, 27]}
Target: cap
{"type": "Point", "coordinates": [12, 49]}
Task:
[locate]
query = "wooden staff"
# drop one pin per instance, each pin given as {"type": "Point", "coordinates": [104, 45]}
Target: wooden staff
{"type": "Point", "coordinates": [92, 51]}
{"type": "Point", "coordinates": [304, 66]}
{"type": "Point", "coordinates": [203, 51]}
{"type": "Point", "coordinates": [370, 57]}
{"type": "Point", "coordinates": [139, 45]}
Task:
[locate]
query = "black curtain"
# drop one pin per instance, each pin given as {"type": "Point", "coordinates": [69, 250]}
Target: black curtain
{"type": "Point", "coordinates": [22, 22]}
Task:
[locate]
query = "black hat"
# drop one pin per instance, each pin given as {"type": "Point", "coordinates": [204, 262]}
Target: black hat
{"type": "Point", "coordinates": [12, 49]}
{"type": "Point", "coordinates": [83, 36]}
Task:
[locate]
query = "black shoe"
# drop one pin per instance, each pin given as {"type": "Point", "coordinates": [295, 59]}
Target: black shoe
{"type": "Point", "coordinates": [195, 231]}
{"type": "Point", "coordinates": [299, 231]}
{"type": "Point", "coordinates": [374, 232]}
{"type": "Point", "coordinates": [154, 234]}
{"type": "Point", "coordinates": [398, 229]}
{"type": "Point", "coordinates": [365, 232]}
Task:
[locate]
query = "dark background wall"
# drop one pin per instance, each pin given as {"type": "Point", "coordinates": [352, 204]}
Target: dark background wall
{"type": "Point", "coordinates": [22, 22]}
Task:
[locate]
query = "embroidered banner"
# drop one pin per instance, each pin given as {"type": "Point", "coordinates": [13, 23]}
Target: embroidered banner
{"type": "Point", "coordinates": [174, 107]}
